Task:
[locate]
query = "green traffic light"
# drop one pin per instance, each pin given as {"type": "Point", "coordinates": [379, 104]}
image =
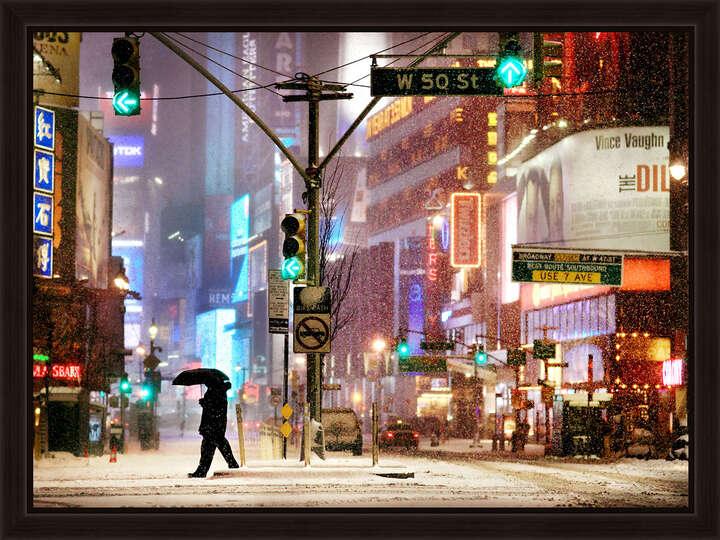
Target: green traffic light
{"type": "Point", "coordinates": [126, 102]}
{"type": "Point", "coordinates": [125, 386]}
{"type": "Point", "coordinates": [510, 72]}
{"type": "Point", "coordinates": [292, 268]}
{"type": "Point", "coordinates": [403, 349]}
{"type": "Point", "coordinates": [480, 358]}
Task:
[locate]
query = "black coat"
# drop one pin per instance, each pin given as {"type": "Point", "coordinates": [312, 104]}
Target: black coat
{"type": "Point", "coordinates": [214, 416]}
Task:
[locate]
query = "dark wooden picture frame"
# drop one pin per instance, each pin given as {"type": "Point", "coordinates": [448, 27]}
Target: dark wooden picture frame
{"type": "Point", "coordinates": [700, 17]}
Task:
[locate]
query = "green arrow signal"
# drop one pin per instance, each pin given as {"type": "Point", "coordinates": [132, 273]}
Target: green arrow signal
{"type": "Point", "coordinates": [511, 72]}
{"type": "Point", "coordinates": [292, 268]}
{"type": "Point", "coordinates": [124, 103]}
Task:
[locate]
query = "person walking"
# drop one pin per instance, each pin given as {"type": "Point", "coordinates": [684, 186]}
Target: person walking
{"type": "Point", "coordinates": [213, 425]}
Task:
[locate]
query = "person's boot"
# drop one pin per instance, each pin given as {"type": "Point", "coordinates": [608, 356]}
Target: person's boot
{"type": "Point", "coordinates": [233, 464]}
{"type": "Point", "coordinates": [197, 474]}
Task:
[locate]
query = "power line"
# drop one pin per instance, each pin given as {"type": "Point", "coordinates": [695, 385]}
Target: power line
{"type": "Point", "coordinates": [233, 56]}
{"type": "Point", "coordinates": [267, 87]}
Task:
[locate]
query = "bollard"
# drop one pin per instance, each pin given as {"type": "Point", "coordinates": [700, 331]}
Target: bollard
{"type": "Point", "coordinates": [113, 454]}
{"type": "Point", "coordinates": [375, 451]}
{"type": "Point", "coordinates": [306, 433]}
{"type": "Point", "coordinates": [241, 433]}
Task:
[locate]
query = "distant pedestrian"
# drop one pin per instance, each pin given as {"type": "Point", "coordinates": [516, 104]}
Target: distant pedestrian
{"type": "Point", "coordinates": [212, 427]}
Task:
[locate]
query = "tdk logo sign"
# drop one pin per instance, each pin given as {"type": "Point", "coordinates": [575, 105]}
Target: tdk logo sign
{"type": "Point", "coordinates": [128, 150]}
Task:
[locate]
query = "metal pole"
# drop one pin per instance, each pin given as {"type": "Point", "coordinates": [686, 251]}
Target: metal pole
{"type": "Point", "coordinates": [122, 423]}
{"type": "Point", "coordinates": [306, 433]}
{"type": "Point", "coordinates": [285, 387]}
{"type": "Point", "coordinates": [375, 451]}
{"type": "Point", "coordinates": [225, 90]}
{"type": "Point", "coordinates": [241, 433]}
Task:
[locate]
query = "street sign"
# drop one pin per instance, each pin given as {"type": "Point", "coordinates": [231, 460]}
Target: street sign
{"type": "Point", "coordinates": [44, 171]}
{"type": "Point", "coordinates": [516, 357]}
{"type": "Point", "coordinates": [286, 411]}
{"type": "Point", "coordinates": [44, 128]}
{"type": "Point", "coordinates": [566, 266]}
{"type": "Point", "coordinates": [331, 387]}
{"type": "Point", "coordinates": [275, 400]}
{"type": "Point", "coordinates": [311, 300]}
{"type": "Point", "coordinates": [312, 333]}
{"type": "Point", "coordinates": [440, 81]}
{"type": "Point", "coordinates": [436, 346]}
{"type": "Point", "coordinates": [42, 257]}
{"type": "Point", "coordinates": [151, 362]}
{"type": "Point", "coordinates": [278, 298]}
{"type": "Point", "coordinates": [42, 213]}
{"type": "Point", "coordinates": [422, 364]}
{"type": "Point", "coordinates": [543, 350]}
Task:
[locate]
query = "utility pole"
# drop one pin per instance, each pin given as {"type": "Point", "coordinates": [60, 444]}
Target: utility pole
{"type": "Point", "coordinates": [314, 89]}
{"type": "Point", "coordinates": [547, 402]}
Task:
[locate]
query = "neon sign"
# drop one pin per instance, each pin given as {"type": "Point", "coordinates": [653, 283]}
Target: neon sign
{"type": "Point", "coordinates": [432, 254]}
{"type": "Point", "coordinates": [465, 230]}
{"type": "Point", "coordinates": [58, 371]}
{"type": "Point", "coordinates": [672, 372]}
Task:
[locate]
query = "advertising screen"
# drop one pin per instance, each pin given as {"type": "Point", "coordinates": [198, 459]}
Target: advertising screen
{"type": "Point", "coordinates": [239, 234]}
{"type": "Point", "coordinates": [598, 189]}
{"type": "Point", "coordinates": [128, 150]}
{"type": "Point", "coordinates": [214, 341]}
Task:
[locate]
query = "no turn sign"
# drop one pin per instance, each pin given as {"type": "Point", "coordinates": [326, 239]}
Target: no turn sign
{"type": "Point", "coordinates": [312, 333]}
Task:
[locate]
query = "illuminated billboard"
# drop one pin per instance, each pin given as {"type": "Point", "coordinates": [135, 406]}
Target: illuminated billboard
{"type": "Point", "coordinates": [465, 230]}
{"type": "Point", "coordinates": [128, 150]}
{"type": "Point", "coordinates": [214, 340]}
{"type": "Point", "coordinates": [598, 189]}
{"type": "Point", "coordinates": [239, 234]}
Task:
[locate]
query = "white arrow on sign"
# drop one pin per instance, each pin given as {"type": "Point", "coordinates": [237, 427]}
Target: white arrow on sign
{"type": "Point", "coordinates": [510, 75]}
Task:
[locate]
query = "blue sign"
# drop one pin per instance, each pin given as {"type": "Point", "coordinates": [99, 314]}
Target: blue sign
{"type": "Point", "coordinates": [42, 213]}
{"type": "Point", "coordinates": [42, 256]}
{"type": "Point", "coordinates": [128, 150]}
{"type": "Point", "coordinates": [44, 128]}
{"type": "Point", "coordinates": [44, 171]}
{"type": "Point", "coordinates": [239, 235]}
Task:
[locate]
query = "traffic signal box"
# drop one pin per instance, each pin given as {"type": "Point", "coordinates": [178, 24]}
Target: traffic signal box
{"type": "Point", "coordinates": [126, 76]}
{"type": "Point", "coordinates": [480, 355]}
{"type": "Point", "coordinates": [125, 387]}
{"type": "Point", "coordinates": [293, 248]}
{"type": "Point", "coordinates": [510, 70]}
{"type": "Point", "coordinates": [547, 55]}
{"type": "Point", "coordinates": [402, 347]}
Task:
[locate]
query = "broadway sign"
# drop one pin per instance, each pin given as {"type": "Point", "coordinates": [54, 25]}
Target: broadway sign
{"type": "Point", "coordinates": [553, 265]}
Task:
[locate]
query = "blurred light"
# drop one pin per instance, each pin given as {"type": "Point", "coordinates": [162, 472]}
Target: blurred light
{"type": "Point", "coordinates": [562, 123]}
{"type": "Point", "coordinates": [153, 330]}
{"type": "Point", "coordinates": [438, 221]}
{"type": "Point", "coordinates": [356, 397]}
{"type": "Point", "coordinates": [299, 359]}
{"type": "Point", "coordinates": [677, 171]}
{"type": "Point", "coordinates": [378, 345]}
{"type": "Point", "coordinates": [158, 180]}
{"type": "Point", "coordinates": [445, 315]}
{"type": "Point", "coordinates": [511, 171]}
{"type": "Point", "coordinates": [140, 349]}
{"type": "Point", "coordinates": [163, 364]}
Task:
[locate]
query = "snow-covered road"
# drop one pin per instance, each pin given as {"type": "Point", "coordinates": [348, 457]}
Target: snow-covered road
{"type": "Point", "coordinates": [159, 479]}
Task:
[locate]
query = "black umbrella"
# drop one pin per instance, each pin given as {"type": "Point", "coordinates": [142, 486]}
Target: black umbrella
{"type": "Point", "coordinates": [206, 376]}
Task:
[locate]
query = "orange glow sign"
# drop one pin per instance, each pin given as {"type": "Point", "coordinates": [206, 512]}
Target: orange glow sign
{"type": "Point", "coordinates": [465, 230]}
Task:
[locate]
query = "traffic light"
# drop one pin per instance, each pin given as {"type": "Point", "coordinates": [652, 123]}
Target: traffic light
{"type": "Point", "coordinates": [126, 76]}
{"type": "Point", "coordinates": [403, 349]}
{"type": "Point", "coordinates": [510, 69]}
{"type": "Point", "coordinates": [480, 355]}
{"type": "Point", "coordinates": [155, 383]}
{"type": "Point", "coordinates": [293, 249]}
{"type": "Point", "coordinates": [547, 55]}
{"type": "Point", "coordinates": [146, 390]}
{"type": "Point", "coordinates": [125, 387]}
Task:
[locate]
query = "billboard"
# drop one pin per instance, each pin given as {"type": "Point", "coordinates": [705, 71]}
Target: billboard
{"type": "Point", "coordinates": [239, 234]}
{"type": "Point", "coordinates": [128, 150]}
{"type": "Point", "coordinates": [56, 57]}
{"type": "Point", "coordinates": [93, 211]}
{"type": "Point", "coordinates": [213, 341]}
{"type": "Point", "coordinates": [598, 189]}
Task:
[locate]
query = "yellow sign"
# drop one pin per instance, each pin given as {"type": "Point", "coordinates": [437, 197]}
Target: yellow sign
{"type": "Point", "coordinates": [286, 429]}
{"type": "Point", "coordinates": [557, 276]}
{"type": "Point", "coordinates": [286, 411]}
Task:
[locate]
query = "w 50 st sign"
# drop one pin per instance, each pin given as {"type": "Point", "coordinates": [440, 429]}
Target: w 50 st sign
{"type": "Point", "coordinates": [445, 81]}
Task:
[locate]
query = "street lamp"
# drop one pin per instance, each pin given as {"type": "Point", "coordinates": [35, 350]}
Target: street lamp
{"type": "Point", "coordinates": [121, 281]}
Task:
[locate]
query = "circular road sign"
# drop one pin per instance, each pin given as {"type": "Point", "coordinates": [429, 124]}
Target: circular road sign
{"type": "Point", "coordinates": [312, 333]}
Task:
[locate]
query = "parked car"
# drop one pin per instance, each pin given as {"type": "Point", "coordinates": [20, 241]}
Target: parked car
{"type": "Point", "coordinates": [680, 448]}
{"type": "Point", "coordinates": [399, 435]}
{"type": "Point", "coordinates": [342, 430]}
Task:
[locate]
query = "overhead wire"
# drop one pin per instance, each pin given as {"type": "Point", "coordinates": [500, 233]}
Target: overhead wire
{"type": "Point", "coordinates": [266, 87]}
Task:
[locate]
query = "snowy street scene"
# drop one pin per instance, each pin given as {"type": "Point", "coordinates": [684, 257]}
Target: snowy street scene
{"type": "Point", "coordinates": [450, 475]}
{"type": "Point", "coordinates": [427, 269]}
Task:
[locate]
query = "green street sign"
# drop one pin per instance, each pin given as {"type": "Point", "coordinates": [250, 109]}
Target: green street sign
{"type": "Point", "coordinates": [543, 350]}
{"type": "Point", "coordinates": [436, 346]}
{"type": "Point", "coordinates": [516, 357]}
{"type": "Point", "coordinates": [566, 266]}
{"type": "Point", "coordinates": [422, 364]}
{"type": "Point", "coordinates": [510, 71]}
{"type": "Point", "coordinates": [444, 81]}
{"type": "Point", "coordinates": [126, 103]}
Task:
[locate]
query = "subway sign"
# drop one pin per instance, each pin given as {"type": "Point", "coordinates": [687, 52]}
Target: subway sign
{"type": "Point", "coordinates": [440, 81]}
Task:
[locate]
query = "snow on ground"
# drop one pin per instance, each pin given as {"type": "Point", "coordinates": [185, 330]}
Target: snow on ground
{"type": "Point", "coordinates": [451, 475]}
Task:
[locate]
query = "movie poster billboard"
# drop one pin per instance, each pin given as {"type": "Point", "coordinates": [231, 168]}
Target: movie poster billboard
{"type": "Point", "coordinates": [93, 205]}
{"type": "Point", "coordinates": [598, 189]}
{"type": "Point", "coordinates": [56, 57]}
